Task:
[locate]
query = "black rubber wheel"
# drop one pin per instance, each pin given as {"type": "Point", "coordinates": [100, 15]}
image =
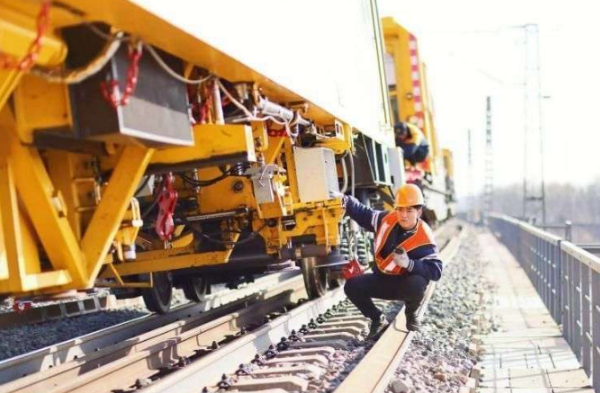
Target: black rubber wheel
{"type": "Point", "coordinates": [315, 280]}
{"type": "Point", "coordinates": [158, 298]}
{"type": "Point", "coordinates": [194, 288]}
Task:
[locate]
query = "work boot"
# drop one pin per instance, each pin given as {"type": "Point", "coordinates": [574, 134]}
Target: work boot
{"type": "Point", "coordinates": [377, 326]}
{"type": "Point", "coordinates": [412, 322]}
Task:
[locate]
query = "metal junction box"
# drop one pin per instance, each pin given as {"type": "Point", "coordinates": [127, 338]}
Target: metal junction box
{"type": "Point", "coordinates": [157, 112]}
{"type": "Point", "coordinates": [396, 159]}
{"type": "Point", "coordinates": [316, 172]}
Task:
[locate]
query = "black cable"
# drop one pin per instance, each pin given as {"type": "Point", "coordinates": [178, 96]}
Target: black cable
{"type": "Point", "coordinates": [202, 183]}
{"type": "Point", "coordinates": [353, 172]}
{"type": "Point", "coordinates": [206, 183]}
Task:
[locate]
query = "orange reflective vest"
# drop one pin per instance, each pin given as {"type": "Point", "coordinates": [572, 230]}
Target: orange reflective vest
{"type": "Point", "coordinates": [422, 236]}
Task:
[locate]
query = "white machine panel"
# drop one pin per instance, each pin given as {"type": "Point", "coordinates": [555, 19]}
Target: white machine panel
{"type": "Point", "coordinates": [317, 174]}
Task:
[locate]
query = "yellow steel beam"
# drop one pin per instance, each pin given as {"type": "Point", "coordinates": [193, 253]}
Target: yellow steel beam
{"type": "Point", "coordinates": [261, 135]}
{"type": "Point", "coordinates": [9, 212]}
{"type": "Point", "coordinates": [291, 171]}
{"type": "Point", "coordinates": [322, 221]}
{"type": "Point", "coordinates": [183, 241]}
{"type": "Point", "coordinates": [40, 104]}
{"type": "Point", "coordinates": [166, 253]}
{"type": "Point", "coordinates": [341, 142]}
{"type": "Point", "coordinates": [65, 171]}
{"type": "Point", "coordinates": [274, 149]}
{"type": "Point", "coordinates": [37, 282]}
{"type": "Point", "coordinates": [53, 279]}
{"type": "Point", "coordinates": [171, 262]}
{"type": "Point", "coordinates": [9, 79]}
{"type": "Point", "coordinates": [115, 200]}
{"type": "Point", "coordinates": [18, 32]}
{"type": "Point", "coordinates": [47, 211]}
{"type": "Point", "coordinates": [22, 260]}
{"type": "Point", "coordinates": [211, 141]}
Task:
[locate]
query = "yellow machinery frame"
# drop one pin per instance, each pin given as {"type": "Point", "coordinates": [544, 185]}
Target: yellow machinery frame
{"type": "Point", "coordinates": [59, 227]}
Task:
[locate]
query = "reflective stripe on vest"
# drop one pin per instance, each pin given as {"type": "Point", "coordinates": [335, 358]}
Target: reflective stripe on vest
{"type": "Point", "coordinates": [423, 235]}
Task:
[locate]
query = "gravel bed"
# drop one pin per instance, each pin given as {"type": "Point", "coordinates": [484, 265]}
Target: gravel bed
{"type": "Point", "coordinates": [17, 340]}
{"type": "Point", "coordinates": [440, 358]}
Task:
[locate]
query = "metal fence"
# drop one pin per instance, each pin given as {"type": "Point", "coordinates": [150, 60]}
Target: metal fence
{"type": "Point", "coordinates": [567, 278]}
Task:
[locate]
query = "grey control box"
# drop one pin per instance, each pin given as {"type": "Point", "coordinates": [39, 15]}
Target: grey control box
{"type": "Point", "coordinates": [316, 173]}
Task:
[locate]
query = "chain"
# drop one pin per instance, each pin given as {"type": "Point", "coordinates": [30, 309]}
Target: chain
{"type": "Point", "coordinates": [8, 62]}
{"type": "Point", "coordinates": [109, 88]}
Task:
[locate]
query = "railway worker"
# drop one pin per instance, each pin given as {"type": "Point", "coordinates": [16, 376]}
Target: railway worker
{"type": "Point", "coordinates": [406, 257]}
{"type": "Point", "coordinates": [412, 141]}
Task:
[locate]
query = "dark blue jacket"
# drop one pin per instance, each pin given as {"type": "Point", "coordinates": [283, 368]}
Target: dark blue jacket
{"type": "Point", "coordinates": [424, 261]}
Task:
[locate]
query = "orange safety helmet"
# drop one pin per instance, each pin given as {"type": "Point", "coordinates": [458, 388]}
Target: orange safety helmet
{"type": "Point", "coordinates": [409, 195]}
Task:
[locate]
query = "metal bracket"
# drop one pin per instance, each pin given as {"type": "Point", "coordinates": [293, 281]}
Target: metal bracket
{"type": "Point", "coordinates": [262, 182]}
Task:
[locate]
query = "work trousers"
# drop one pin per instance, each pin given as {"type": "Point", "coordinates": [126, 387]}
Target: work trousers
{"type": "Point", "coordinates": [362, 289]}
{"type": "Point", "coordinates": [419, 155]}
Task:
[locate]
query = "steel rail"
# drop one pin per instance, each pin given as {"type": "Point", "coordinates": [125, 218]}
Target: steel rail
{"type": "Point", "coordinates": [208, 370]}
{"type": "Point", "coordinates": [166, 350]}
{"type": "Point", "coordinates": [74, 354]}
{"type": "Point", "coordinates": [376, 369]}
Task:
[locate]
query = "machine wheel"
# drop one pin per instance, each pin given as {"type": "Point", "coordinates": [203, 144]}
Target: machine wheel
{"type": "Point", "coordinates": [336, 282]}
{"type": "Point", "coordinates": [335, 277]}
{"type": "Point", "coordinates": [194, 288]}
{"type": "Point", "coordinates": [315, 280]}
{"type": "Point", "coordinates": [158, 298]}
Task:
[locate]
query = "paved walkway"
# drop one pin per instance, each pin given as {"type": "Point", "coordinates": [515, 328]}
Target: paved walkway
{"type": "Point", "coordinates": [528, 353]}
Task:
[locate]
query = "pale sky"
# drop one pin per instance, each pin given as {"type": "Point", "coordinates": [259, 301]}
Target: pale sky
{"type": "Point", "coordinates": [474, 48]}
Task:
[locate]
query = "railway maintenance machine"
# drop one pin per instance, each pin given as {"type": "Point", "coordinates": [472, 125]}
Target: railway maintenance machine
{"type": "Point", "coordinates": [148, 146]}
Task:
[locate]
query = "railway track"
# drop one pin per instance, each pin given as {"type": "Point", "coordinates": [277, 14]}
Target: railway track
{"type": "Point", "coordinates": [81, 349]}
{"type": "Point", "coordinates": [188, 350]}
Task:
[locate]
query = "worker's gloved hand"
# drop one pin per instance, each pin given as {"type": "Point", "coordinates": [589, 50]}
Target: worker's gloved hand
{"type": "Point", "coordinates": [401, 258]}
{"type": "Point", "coordinates": [334, 194]}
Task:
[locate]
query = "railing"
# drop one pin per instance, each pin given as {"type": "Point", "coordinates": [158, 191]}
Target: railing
{"type": "Point", "coordinates": [567, 278]}
{"type": "Point", "coordinates": [567, 227]}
